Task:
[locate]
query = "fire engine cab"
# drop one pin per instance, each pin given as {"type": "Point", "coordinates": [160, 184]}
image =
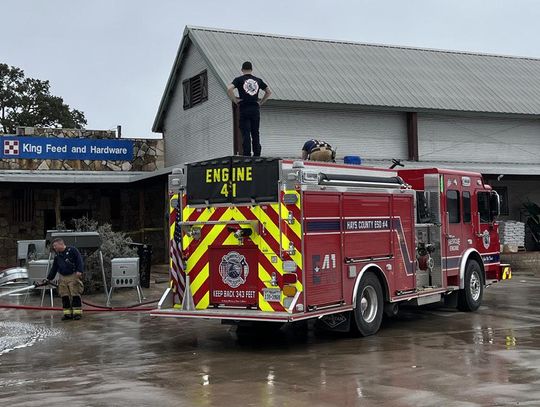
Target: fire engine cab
{"type": "Point", "coordinates": [266, 239]}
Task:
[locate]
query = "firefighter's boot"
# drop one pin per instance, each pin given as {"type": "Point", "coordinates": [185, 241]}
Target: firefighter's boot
{"type": "Point", "coordinates": [77, 307]}
{"type": "Point", "coordinates": [66, 305]}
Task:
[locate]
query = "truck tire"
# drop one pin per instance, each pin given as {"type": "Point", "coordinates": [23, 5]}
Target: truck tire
{"type": "Point", "coordinates": [470, 297]}
{"type": "Point", "coordinates": [368, 312]}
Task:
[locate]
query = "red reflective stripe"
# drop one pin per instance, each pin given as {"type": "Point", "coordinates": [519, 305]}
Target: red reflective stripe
{"type": "Point", "coordinates": [218, 213]}
{"type": "Point", "coordinates": [270, 268]}
{"type": "Point", "coordinates": [293, 237]}
{"type": "Point", "coordinates": [203, 261]}
{"type": "Point", "coordinates": [172, 217]}
{"type": "Point", "coordinates": [293, 208]}
{"type": "Point", "coordinates": [195, 215]}
{"type": "Point", "coordinates": [201, 292]}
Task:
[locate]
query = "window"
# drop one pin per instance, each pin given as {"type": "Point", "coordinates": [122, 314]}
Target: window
{"type": "Point", "coordinates": [22, 205]}
{"type": "Point", "coordinates": [422, 208]}
{"type": "Point", "coordinates": [483, 207]}
{"type": "Point", "coordinates": [503, 196]}
{"type": "Point", "coordinates": [466, 207]}
{"type": "Point", "coordinates": [195, 90]}
{"type": "Point", "coordinates": [452, 206]}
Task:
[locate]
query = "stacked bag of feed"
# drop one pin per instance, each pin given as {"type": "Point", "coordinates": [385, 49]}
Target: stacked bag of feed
{"type": "Point", "coordinates": [511, 235]}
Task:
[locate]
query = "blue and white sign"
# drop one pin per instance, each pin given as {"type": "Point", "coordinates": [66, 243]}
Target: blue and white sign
{"type": "Point", "coordinates": [52, 148]}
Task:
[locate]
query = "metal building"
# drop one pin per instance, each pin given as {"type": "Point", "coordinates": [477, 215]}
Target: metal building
{"type": "Point", "coordinates": [426, 107]}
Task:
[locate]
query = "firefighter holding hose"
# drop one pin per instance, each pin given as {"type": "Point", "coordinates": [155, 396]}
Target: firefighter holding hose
{"type": "Point", "coordinates": [68, 263]}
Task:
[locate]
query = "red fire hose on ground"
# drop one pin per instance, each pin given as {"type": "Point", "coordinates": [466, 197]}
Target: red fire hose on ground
{"type": "Point", "coordinates": [91, 307]}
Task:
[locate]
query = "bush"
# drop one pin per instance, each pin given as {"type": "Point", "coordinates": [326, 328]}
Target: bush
{"type": "Point", "coordinates": [113, 245]}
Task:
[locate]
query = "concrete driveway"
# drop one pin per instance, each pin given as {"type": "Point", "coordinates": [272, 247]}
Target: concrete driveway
{"type": "Point", "coordinates": [424, 357]}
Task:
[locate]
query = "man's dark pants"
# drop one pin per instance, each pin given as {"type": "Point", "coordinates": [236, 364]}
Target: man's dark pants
{"type": "Point", "coordinates": [250, 119]}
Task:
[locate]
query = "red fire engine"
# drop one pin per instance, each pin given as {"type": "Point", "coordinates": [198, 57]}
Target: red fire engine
{"type": "Point", "coordinates": [264, 239]}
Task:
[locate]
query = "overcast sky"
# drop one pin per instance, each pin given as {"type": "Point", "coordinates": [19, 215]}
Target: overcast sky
{"type": "Point", "coordinates": [111, 58]}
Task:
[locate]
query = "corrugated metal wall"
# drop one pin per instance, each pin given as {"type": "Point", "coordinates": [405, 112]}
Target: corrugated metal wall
{"type": "Point", "coordinates": [203, 131]}
{"type": "Point", "coordinates": [478, 139]}
{"type": "Point", "coordinates": [376, 135]}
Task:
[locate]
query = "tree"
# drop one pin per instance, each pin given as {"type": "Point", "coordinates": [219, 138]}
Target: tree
{"type": "Point", "coordinates": [28, 102]}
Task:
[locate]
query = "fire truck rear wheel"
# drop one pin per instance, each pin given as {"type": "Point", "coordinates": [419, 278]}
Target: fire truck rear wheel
{"type": "Point", "coordinates": [368, 312]}
{"type": "Point", "coordinates": [470, 297]}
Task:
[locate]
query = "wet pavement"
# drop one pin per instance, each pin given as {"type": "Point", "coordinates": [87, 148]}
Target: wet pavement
{"type": "Point", "coordinates": [424, 357]}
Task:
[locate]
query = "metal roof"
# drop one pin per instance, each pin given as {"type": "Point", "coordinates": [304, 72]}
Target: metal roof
{"type": "Point", "coordinates": [483, 168]}
{"type": "Point", "coordinates": [114, 177]}
{"type": "Point", "coordinates": [339, 72]}
{"type": "Point", "coordinates": [79, 177]}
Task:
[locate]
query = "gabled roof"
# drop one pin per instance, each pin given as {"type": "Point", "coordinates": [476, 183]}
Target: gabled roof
{"type": "Point", "coordinates": [338, 72]}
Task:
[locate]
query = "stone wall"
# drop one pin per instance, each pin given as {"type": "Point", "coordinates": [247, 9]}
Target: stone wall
{"type": "Point", "coordinates": [523, 262]}
{"type": "Point", "coordinates": [137, 208]}
{"type": "Point", "coordinates": [148, 155]}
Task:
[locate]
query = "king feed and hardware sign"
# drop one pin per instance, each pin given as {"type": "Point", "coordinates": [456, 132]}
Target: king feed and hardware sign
{"type": "Point", "coordinates": [52, 148]}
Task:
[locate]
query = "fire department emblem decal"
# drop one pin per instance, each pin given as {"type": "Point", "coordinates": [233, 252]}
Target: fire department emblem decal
{"type": "Point", "coordinates": [234, 269]}
{"type": "Point", "coordinates": [251, 87]}
{"type": "Point", "coordinates": [486, 239]}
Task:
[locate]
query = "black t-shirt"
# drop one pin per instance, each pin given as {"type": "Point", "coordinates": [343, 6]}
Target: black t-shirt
{"type": "Point", "coordinates": [248, 89]}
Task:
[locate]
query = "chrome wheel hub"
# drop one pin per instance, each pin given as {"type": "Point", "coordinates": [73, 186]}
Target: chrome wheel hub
{"type": "Point", "coordinates": [475, 286]}
{"type": "Point", "coordinates": [368, 304]}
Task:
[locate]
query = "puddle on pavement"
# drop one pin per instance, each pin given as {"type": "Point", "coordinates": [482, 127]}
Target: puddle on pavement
{"type": "Point", "coordinates": [490, 336]}
{"type": "Point", "coordinates": [17, 335]}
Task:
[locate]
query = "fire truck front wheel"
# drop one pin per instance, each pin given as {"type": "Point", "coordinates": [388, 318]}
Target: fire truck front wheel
{"type": "Point", "coordinates": [470, 297]}
{"type": "Point", "coordinates": [368, 312]}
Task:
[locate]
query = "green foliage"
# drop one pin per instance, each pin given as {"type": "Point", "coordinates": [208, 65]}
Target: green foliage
{"type": "Point", "coordinates": [533, 219]}
{"type": "Point", "coordinates": [28, 102]}
{"type": "Point", "coordinates": [533, 210]}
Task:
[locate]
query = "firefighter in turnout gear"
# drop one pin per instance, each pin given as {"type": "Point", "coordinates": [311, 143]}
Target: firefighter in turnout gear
{"type": "Point", "coordinates": [69, 264]}
{"type": "Point", "coordinates": [318, 150]}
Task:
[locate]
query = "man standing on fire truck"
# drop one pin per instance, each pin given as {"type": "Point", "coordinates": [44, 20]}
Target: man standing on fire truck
{"type": "Point", "coordinates": [69, 264]}
{"type": "Point", "coordinates": [248, 102]}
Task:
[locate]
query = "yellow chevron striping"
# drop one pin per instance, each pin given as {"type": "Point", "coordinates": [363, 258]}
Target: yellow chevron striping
{"type": "Point", "coordinates": [270, 227]}
{"type": "Point", "coordinates": [239, 216]}
{"type": "Point", "coordinates": [297, 257]}
{"type": "Point", "coordinates": [295, 227]}
{"type": "Point", "coordinates": [230, 214]}
{"type": "Point", "coordinates": [187, 211]}
{"type": "Point", "coordinates": [203, 275]}
{"type": "Point", "coordinates": [204, 302]}
{"type": "Point", "coordinates": [264, 305]}
{"type": "Point", "coordinates": [171, 234]}
{"type": "Point", "coordinates": [207, 241]}
{"type": "Point", "coordinates": [264, 275]}
{"type": "Point", "coordinates": [201, 249]}
{"type": "Point", "coordinates": [298, 203]}
{"type": "Point", "coordinates": [206, 213]}
{"type": "Point", "coordinates": [274, 231]}
{"type": "Point", "coordinates": [295, 192]}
